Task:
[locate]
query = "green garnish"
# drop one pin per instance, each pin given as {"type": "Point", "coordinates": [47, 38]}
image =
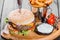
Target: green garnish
{"type": "Point", "coordinates": [24, 32]}
{"type": "Point", "coordinates": [6, 20]}
{"type": "Point", "coordinates": [20, 33]}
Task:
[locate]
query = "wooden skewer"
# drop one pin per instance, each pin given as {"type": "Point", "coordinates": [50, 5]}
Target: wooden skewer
{"type": "Point", "coordinates": [19, 4]}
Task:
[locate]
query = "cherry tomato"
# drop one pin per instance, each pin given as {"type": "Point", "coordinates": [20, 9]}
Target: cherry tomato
{"type": "Point", "coordinates": [51, 19]}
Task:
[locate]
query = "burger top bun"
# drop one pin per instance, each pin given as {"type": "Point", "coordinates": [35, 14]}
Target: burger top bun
{"type": "Point", "coordinates": [21, 18]}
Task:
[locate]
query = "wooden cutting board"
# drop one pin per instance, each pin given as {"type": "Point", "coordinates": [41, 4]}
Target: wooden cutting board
{"type": "Point", "coordinates": [33, 36]}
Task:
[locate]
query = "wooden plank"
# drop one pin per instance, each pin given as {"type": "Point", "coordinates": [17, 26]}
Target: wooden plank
{"type": "Point", "coordinates": [59, 8]}
{"type": "Point", "coordinates": [54, 8]}
{"type": "Point", "coordinates": [1, 4]}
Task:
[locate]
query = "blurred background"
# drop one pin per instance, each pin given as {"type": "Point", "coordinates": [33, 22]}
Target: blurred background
{"type": "Point", "coordinates": [7, 6]}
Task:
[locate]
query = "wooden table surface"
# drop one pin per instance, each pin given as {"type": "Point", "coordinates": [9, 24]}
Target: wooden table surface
{"type": "Point", "coordinates": [9, 5]}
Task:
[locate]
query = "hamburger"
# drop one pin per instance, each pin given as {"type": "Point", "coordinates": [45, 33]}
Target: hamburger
{"type": "Point", "coordinates": [20, 22]}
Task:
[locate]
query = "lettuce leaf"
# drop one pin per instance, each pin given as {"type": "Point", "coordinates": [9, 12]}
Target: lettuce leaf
{"type": "Point", "coordinates": [6, 20]}
{"type": "Point", "coordinates": [24, 32]}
